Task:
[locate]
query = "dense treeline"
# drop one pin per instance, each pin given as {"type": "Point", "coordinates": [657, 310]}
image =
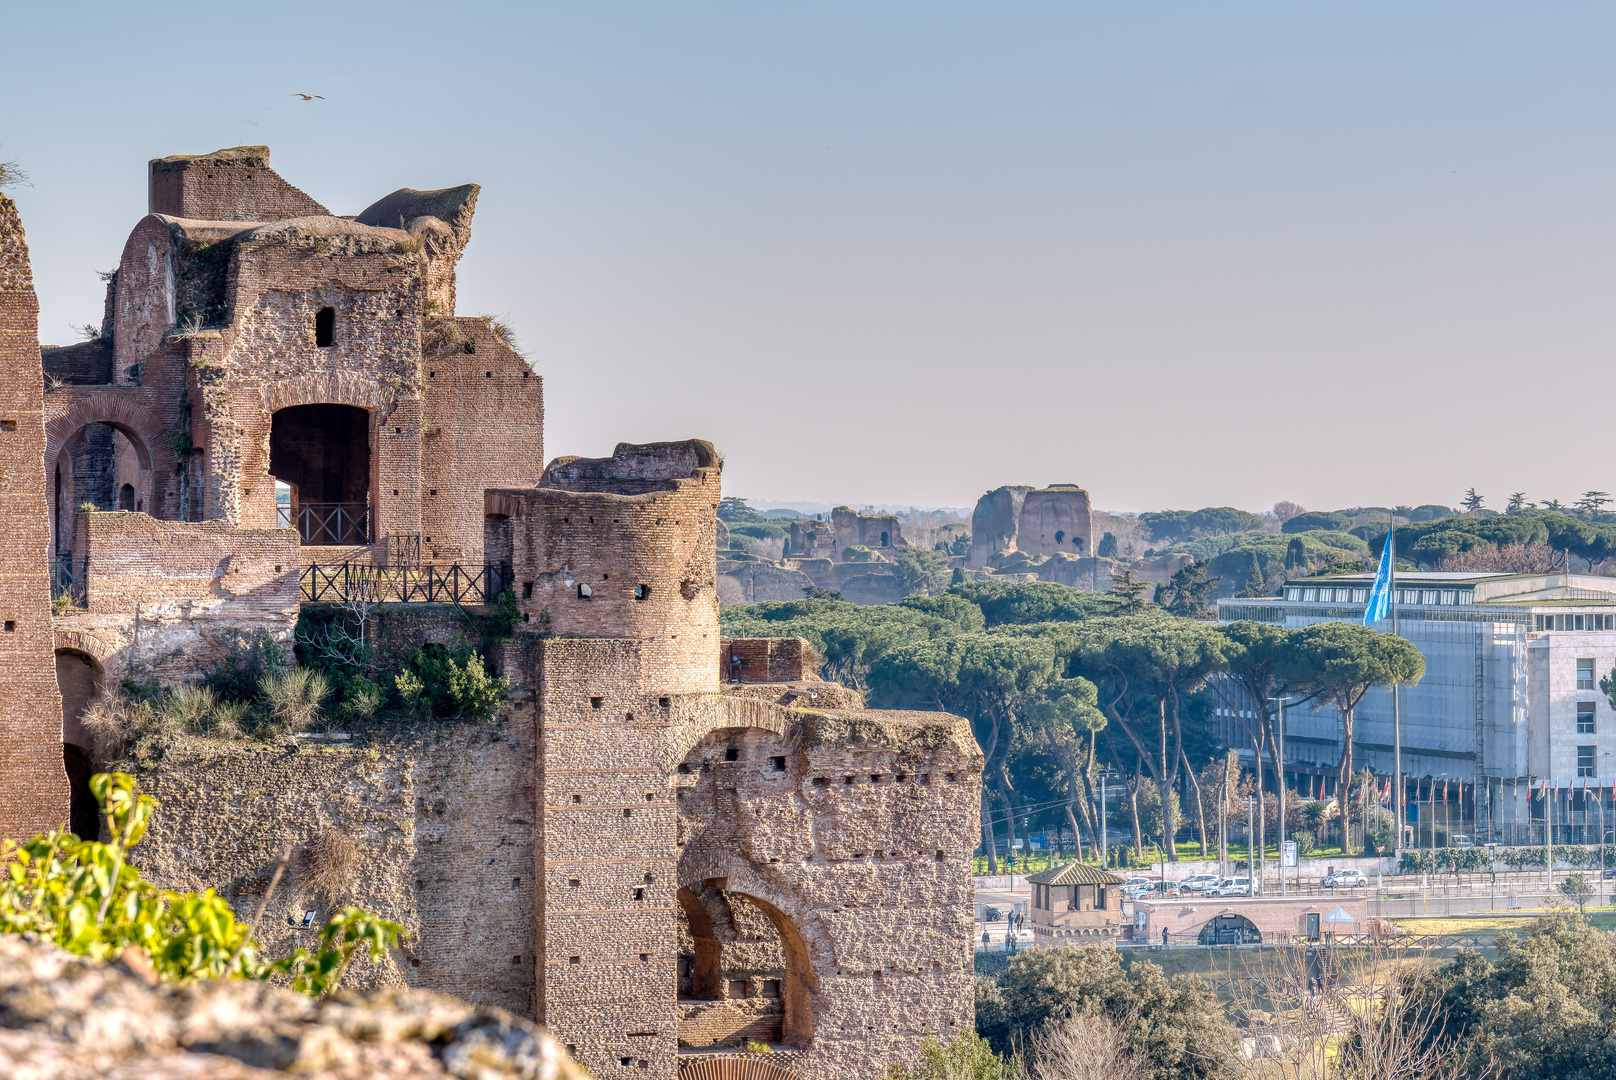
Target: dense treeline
{"type": "Point", "coordinates": [1059, 683]}
{"type": "Point", "coordinates": [1542, 1009]}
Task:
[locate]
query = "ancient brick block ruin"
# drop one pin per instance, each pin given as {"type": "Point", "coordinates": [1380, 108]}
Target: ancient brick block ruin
{"type": "Point", "coordinates": [664, 845]}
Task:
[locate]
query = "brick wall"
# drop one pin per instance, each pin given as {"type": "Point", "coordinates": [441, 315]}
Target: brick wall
{"type": "Point", "coordinates": [442, 816]}
{"type": "Point", "coordinates": [168, 598]}
{"type": "Point", "coordinates": [33, 783]}
{"type": "Point", "coordinates": [768, 659]}
{"type": "Point", "coordinates": [226, 185]}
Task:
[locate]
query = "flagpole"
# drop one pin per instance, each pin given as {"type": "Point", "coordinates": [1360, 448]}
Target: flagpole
{"type": "Point", "coordinates": [1397, 695]}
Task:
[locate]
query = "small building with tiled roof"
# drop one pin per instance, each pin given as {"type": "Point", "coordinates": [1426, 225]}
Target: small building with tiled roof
{"type": "Point", "coordinates": [1076, 904]}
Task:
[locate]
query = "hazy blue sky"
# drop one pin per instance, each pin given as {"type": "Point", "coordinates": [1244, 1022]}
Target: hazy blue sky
{"type": "Point", "coordinates": [1182, 254]}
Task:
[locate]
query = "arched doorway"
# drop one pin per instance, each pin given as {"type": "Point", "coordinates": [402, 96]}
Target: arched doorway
{"type": "Point", "coordinates": [701, 968]}
{"type": "Point", "coordinates": [1230, 928]}
{"type": "Point", "coordinates": [79, 678]}
{"type": "Point", "coordinates": [104, 464]}
{"type": "Point", "coordinates": [322, 454]}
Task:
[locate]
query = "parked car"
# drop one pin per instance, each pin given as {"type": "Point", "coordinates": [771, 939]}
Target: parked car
{"type": "Point", "coordinates": [1344, 879]}
{"type": "Point", "coordinates": [1142, 888]}
{"type": "Point", "coordinates": [1239, 886]}
{"type": "Point", "coordinates": [1461, 840]}
{"type": "Point", "coordinates": [1195, 883]}
{"type": "Point", "coordinates": [1156, 890]}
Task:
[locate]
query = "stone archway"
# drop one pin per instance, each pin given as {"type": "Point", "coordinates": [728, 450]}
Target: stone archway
{"type": "Point", "coordinates": [734, 1068]}
{"type": "Point", "coordinates": [93, 448]}
{"type": "Point", "coordinates": [704, 970]}
{"type": "Point", "coordinates": [1229, 928]}
{"type": "Point", "coordinates": [80, 679]}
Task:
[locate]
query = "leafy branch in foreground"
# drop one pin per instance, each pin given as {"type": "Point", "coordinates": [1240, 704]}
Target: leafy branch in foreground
{"type": "Point", "coordinates": [83, 896]}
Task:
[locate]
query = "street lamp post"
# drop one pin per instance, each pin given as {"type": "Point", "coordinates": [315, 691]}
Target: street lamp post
{"type": "Point", "coordinates": [1279, 771]}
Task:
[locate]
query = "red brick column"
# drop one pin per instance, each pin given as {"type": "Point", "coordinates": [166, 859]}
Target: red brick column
{"type": "Point", "coordinates": [33, 782]}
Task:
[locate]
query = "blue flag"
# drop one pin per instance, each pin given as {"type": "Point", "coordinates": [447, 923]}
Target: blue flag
{"type": "Point", "coordinates": [1380, 597]}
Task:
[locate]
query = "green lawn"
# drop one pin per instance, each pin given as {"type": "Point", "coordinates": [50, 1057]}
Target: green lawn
{"type": "Point", "coordinates": [1150, 857]}
{"type": "Point", "coordinates": [1491, 922]}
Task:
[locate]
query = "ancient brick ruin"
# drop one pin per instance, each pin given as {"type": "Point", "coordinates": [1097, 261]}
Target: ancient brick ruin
{"type": "Point", "coordinates": [673, 861]}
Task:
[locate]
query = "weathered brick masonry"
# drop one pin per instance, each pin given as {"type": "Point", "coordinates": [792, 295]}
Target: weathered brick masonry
{"type": "Point", "coordinates": [653, 861]}
{"type": "Point", "coordinates": [33, 783]}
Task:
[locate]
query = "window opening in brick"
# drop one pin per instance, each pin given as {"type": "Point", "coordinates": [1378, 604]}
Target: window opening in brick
{"type": "Point", "coordinates": [325, 327]}
{"type": "Point", "coordinates": [737, 988]}
{"type": "Point", "coordinates": [515, 960]}
{"type": "Point", "coordinates": [683, 768]}
{"type": "Point", "coordinates": [821, 781]}
{"type": "Point", "coordinates": [322, 454]}
{"type": "Point", "coordinates": [515, 881]}
{"type": "Point", "coordinates": [847, 779]}
{"type": "Point", "coordinates": [645, 958]}
{"type": "Point", "coordinates": [584, 592]}
{"type": "Point", "coordinates": [732, 754]}
{"type": "Point", "coordinates": [777, 764]}
{"type": "Point", "coordinates": [126, 497]}
{"type": "Point", "coordinates": [595, 702]}
{"type": "Point", "coordinates": [642, 592]}
{"type": "Point", "coordinates": [770, 988]}
{"type": "Point", "coordinates": [884, 540]}
{"type": "Point", "coordinates": [628, 813]}
{"type": "Point", "coordinates": [575, 959]}
{"type": "Point", "coordinates": [1060, 536]}
{"type": "Point", "coordinates": [663, 703]}
{"type": "Point", "coordinates": [574, 882]}
{"type": "Point", "coordinates": [577, 798]}
{"type": "Point", "coordinates": [11, 626]}
{"type": "Point", "coordinates": [527, 590]}
{"type": "Point", "coordinates": [639, 894]}
{"type": "Point", "coordinates": [8, 425]}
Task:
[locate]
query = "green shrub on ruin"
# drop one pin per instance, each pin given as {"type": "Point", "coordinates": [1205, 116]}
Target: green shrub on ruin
{"type": "Point", "coordinates": [85, 897]}
{"type": "Point", "coordinates": [507, 613]}
{"type": "Point", "coordinates": [435, 682]}
{"type": "Point", "coordinates": [968, 1057]}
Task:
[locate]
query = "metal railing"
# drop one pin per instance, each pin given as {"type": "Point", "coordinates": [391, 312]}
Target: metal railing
{"type": "Point", "coordinates": [327, 524]}
{"type": "Point", "coordinates": [428, 584]}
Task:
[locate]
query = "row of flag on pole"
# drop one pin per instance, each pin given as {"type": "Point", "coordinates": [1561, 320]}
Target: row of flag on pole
{"type": "Point", "coordinates": [1313, 787]}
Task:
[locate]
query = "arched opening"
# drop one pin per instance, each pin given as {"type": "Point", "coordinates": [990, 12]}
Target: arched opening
{"type": "Point", "coordinates": [797, 988]}
{"type": "Point", "coordinates": [84, 813]}
{"type": "Point", "coordinates": [105, 465]}
{"type": "Point", "coordinates": [699, 972]}
{"type": "Point", "coordinates": [1230, 929]}
{"type": "Point", "coordinates": [322, 454]}
{"type": "Point", "coordinates": [884, 542]}
{"type": "Point", "coordinates": [79, 678]}
{"type": "Point", "coordinates": [325, 327]}
{"type": "Point", "coordinates": [1060, 536]}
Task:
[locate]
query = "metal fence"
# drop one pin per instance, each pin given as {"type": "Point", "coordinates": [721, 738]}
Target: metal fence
{"type": "Point", "coordinates": [427, 584]}
{"type": "Point", "coordinates": [327, 524]}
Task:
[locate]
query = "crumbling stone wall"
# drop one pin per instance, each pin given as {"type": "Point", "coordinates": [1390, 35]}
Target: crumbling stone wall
{"type": "Point", "coordinates": [168, 599]}
{"type": "Point", "coordinates": [226, 185]}
{"type": "Point", "coordinates": [1042, 522]}
{"type": "Point", "coordinates": [879, 532]}
{"type": "Point", "coordinates": [33, 783]}
{"type": "Point", "coordinates": [1054, 520]}
{"type": "Point", "coordinates": [994, 523]}
{"type": "Point", "coordinates": [442, 815]}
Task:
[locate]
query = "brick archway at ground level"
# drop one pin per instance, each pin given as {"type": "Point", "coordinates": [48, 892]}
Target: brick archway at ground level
{"type": "Point", "coordinates": [800, 940]}
{"type": "Point", "coordinates": [734, 1068]}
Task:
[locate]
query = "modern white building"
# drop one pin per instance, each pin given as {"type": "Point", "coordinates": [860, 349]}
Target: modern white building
{"type": "Point", "coordinates": [1510, 700]}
